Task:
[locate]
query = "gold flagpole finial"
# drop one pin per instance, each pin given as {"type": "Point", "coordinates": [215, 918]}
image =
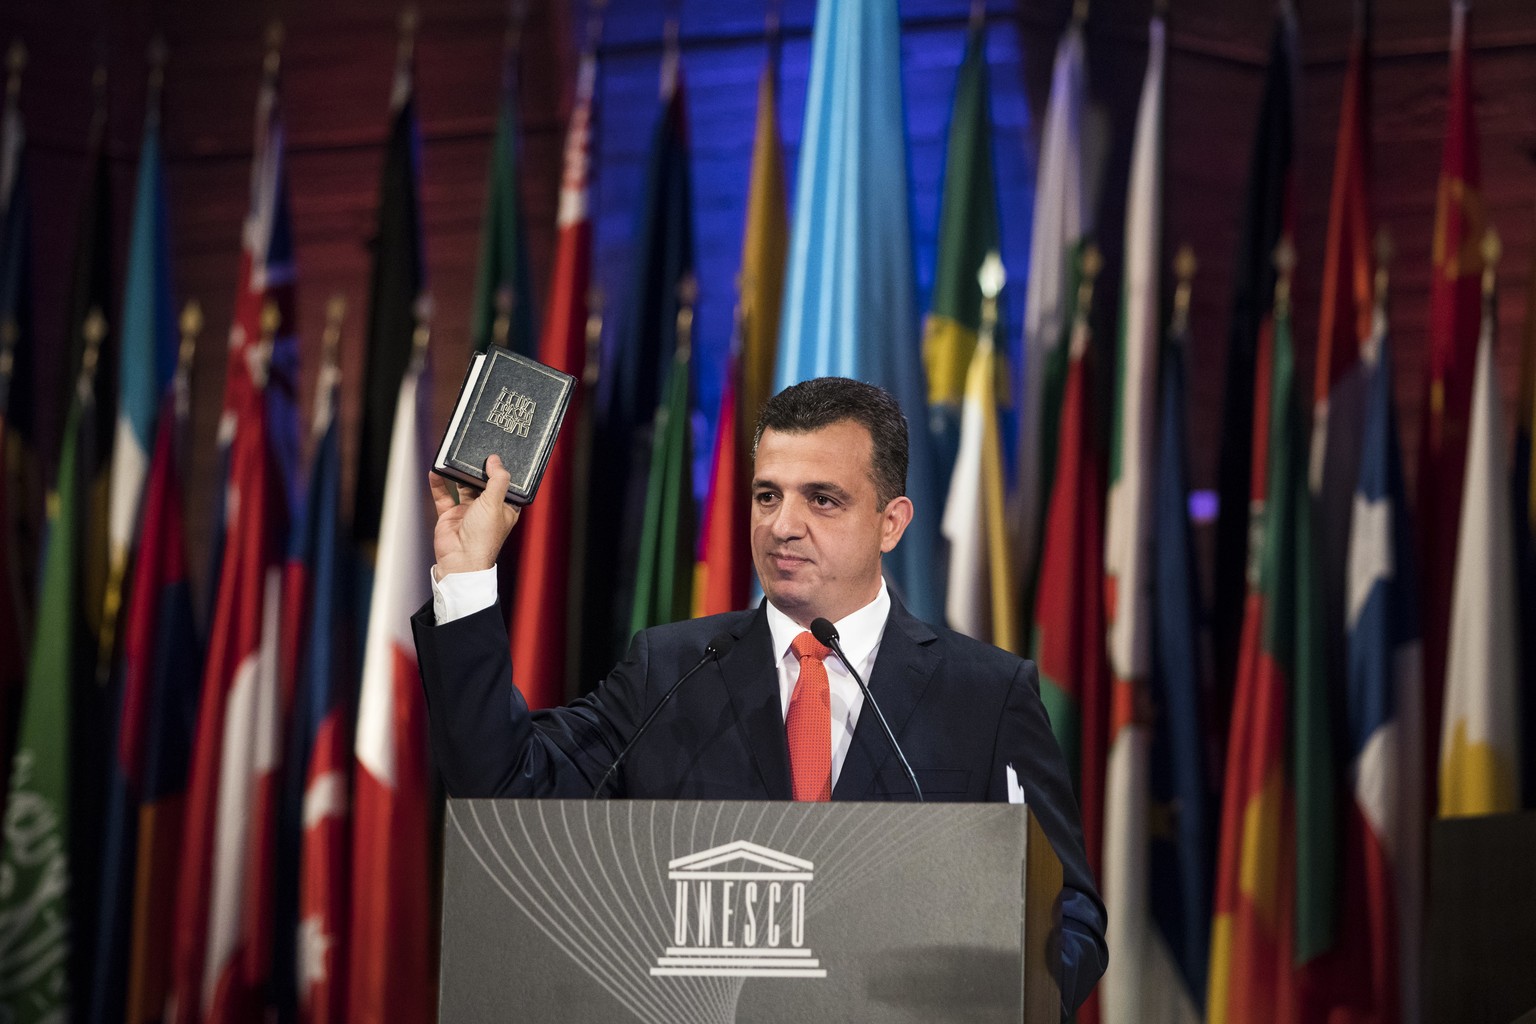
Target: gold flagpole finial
{"type": "Point", "coordinates": [687, 295]}
{"type": "Point", "coordinates": [15, 64]}
{"type": "Point", "coordinates": [1184, 268]}
{"type": "Point", "coordinates": [595, 9]}
{"type": "Point", "coordinates": [991, 278]}
{"type": "Point", "coordinates": [157, 58]}
{"type": "Point", "coordinates": [1493, 251]}
{"type": "Point", "coordinates": [95, 332]}
{"type": "Point", "coordinates": [9, 335]}
{"type": "Point", "coordinates": [1285, 266]}
{"type": "Point", "coordinates": [978, 13]}
{"type": "Point", "coordinates": [421, 337]}
{"type": "Point", "coordinates": [517, 18]}
{"type": "Point", "coordinates": [593, 367]}
{"type": "Point", "coordinates": [274, 47]}
{"type": "Point", "coordinates": [773, 20]}
{"type": "Point", "coordinates": [191, 324]}
{"type": "Point", "coordinates": [1089, 263]}
{"type": "Point", "coordinates": [330, 341]}
{"type": "Point", "coordinates": [409, 22]}
{"type": "Point", "coordinates": [1079, 12]}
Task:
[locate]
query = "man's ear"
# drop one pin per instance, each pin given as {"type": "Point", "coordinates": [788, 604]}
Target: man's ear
{"type": "Point", "coordinates": [894, 519]}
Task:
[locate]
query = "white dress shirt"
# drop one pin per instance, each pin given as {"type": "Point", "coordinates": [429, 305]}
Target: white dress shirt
{"type": "Point", "coordinates": [464, 593]}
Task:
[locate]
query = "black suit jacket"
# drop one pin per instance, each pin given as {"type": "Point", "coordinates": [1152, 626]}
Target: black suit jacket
{"type": "Point", "coordinates": [961, 710]}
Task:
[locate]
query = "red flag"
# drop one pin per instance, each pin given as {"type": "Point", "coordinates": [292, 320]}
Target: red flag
{"type": "Point", "coordinates": [539, 612]}
{"type": "Point", "coordinates": [224, 904]}
{"type": "Point", "coordinates": [1455, 317]}
{"type": "Point", "coordinates": [723, 572]}
{"type": "Point", "coordinates": [390, 972]}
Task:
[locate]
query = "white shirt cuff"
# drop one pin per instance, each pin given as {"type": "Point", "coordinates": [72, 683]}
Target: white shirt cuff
{"type": "Point", "coordinates": [462, 593]}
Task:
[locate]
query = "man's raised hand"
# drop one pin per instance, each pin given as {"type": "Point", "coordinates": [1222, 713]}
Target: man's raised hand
{"type": "Point", "coordinates": [471, 528]}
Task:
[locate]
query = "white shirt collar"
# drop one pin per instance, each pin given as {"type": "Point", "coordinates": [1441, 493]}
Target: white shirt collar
{"type": "Point", "coordinates": [859, 632]}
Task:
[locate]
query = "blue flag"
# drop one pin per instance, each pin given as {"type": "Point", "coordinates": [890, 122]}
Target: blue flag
{"type": "Point", "coordinates": [850, 306]}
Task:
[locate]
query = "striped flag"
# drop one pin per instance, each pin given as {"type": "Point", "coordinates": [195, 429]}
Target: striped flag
{"type": "Point", "coordinates": [315, 838]}
{"type": "Point", "coordinates": [850, 303]}
{"type": "Point", "coordinates": [150, 343]}
{"type": "Point", "coordinates": [1274, 883]}
{"type": "Point", "coordinates": [631, 386]}
{"type": "Point", "coordinates": [1135, 968]}
{"type": "Point", "coordinates": [723, 575]}
{"type": "Point", "coordinates": [1454, 312]}
{"type": "Point", "coordinates": [1062, 219]}
{"type": "Point", "coordinates": [664, 571]}
{"type": "Point", "coordinates": [1069, 603]}
{"type": "Point", "coordinates": [223, 941]}
{"type": "Point", "coordinates": [1383, 871]}
{"type": "Point", "coordinates": [390, 973]}
{"type": "Point", "coordinates": [1480, 738]}
{"type": "Point", "coordinates": [161, 659]}
{"type": "Point", "coordinates": [983, 588]}
{"type": "Point", "coordinates": [1269, 213]}
{"type": "Point", "coordinates": [968, 230]}
{"type": "Point", "coordinates": [1524, 497]}
{"type": "Point", "coordinates": [540, 608]}
{"type": "Point", "coordinates": [399, 278]}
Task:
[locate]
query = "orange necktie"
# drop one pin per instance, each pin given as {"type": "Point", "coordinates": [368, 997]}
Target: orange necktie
{"type": "Point", "coordinates": [809, 723]}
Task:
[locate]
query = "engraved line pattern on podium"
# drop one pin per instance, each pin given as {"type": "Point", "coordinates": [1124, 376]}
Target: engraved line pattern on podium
{"type": "Point", "coordinates": [613, 914]}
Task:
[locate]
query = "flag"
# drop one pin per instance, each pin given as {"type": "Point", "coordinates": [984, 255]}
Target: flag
{"type": "Point", "coordinates": [1455, 306]}
{"type": "Point", "coordinates": [160, 661]}
{"type": "Point", "coordinates": [850, 305]}
{"type": "Point", "coordinates": [391, 969]}
{"type": "Point", "coordinates": [1382, 909]}
{"type": "Point", "coordinates": [723, 575]}
{"type": "Point", "coordinates": [1179, 803]}
{"type": "Point", "coordinates": [968, 230]}
{"type": "Point", "coordinates": [1069, 605]}
{"type": "Point", "coordinates": [223, 939]}
{"type": "Point", "coordinates": [21, 490]}
{"type": "Point", "coordinates": [399, 277]}
{"type": "Point", "coordinates": [150, 343]}
{"type": "Point", "coordinates": [631, 387]}
{"type": "Point", "coordinates": [267, 275]}
{"type": "Point", "coordinates": [1268, 213]}
{"type": "Point", "coordinates": [541, 599]}
{"type": "Point", "coordinates": [1136, 969]}
{"type": "Point", "coordinates": [983, 588]}
{"type": "Point", "coordinates": [1480, 738]}
{"type": "Point", "coordinates": [502, 290]}
{"type": "Point", "coordinates": [1062, 219]}
{"type": "Point", "coordinates": [664, 573]}
{"type": "Point", "coordinates": [1344, 327]}
{"type": "Point", "coordinates": [45, 927]}
{"type": "Point", "coordinates": [314, 836]}
{"type": "Point", "coordinates": [764, 244]}
{"type": "Point", "coordinates": [1275, 882]}
{"type": "Point", "coordinates": [93, 394]}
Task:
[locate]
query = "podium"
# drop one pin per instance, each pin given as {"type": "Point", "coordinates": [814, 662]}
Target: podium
{"type": "Point", "coordinates": [707, 912]}
{"type": "Point", "coordinates": [1482, 920]}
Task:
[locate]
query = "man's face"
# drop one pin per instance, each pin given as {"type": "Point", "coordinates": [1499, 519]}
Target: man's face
{"type": "Point", "coordinates": [817, 526]}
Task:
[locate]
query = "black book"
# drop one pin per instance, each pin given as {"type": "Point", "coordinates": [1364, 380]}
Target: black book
{"type": "Point", "coordinates": [510, 405]}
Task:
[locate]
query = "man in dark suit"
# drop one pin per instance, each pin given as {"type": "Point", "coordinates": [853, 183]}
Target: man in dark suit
{"type": "Point", "coordinates": [776, 716]}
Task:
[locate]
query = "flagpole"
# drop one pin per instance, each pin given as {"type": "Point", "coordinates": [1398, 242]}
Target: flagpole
{"type": "Point", "coordinates": [1184, 267]}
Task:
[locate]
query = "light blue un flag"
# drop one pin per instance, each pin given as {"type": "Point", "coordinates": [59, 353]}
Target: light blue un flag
{"type": "Point", "coordinates": [850, 307]}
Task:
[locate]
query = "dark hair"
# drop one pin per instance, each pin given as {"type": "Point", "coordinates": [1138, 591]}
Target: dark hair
{"type": "Point", "coordinates": [823, 401]}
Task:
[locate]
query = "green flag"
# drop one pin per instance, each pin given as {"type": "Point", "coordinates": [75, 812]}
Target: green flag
{"type": "Point", "coordinates": [664, 574]}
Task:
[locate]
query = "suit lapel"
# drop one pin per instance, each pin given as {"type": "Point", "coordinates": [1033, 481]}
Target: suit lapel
{"type": "Point", "coordinates": [903, 669]}
{"type": "Point", "coordinates": [752, 680]}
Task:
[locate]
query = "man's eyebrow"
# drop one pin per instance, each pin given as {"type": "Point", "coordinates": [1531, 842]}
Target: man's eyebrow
{"type": "Point", "coordinates": [811, 487]}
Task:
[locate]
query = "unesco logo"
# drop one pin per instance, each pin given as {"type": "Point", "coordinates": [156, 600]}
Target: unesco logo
{"type": "Point", "coordinates": [512, 412]}
{"type": "Point", "coordinates": [738, 911]}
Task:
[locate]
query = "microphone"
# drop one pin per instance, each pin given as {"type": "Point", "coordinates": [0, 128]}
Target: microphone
{"type": "Point", "coordinates": [826, 635]}
{"type": "Point", "coordinates": [713, 651]}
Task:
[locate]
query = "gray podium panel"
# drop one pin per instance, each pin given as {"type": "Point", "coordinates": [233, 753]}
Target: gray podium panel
{"type": "Point", "coordinates": [712, 912]}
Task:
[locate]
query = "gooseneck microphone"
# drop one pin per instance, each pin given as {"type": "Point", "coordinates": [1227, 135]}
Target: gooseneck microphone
{"type": "Point", "coordinates": [713, 651]}
{"type": "Point", "coordinates": [826, 635]}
